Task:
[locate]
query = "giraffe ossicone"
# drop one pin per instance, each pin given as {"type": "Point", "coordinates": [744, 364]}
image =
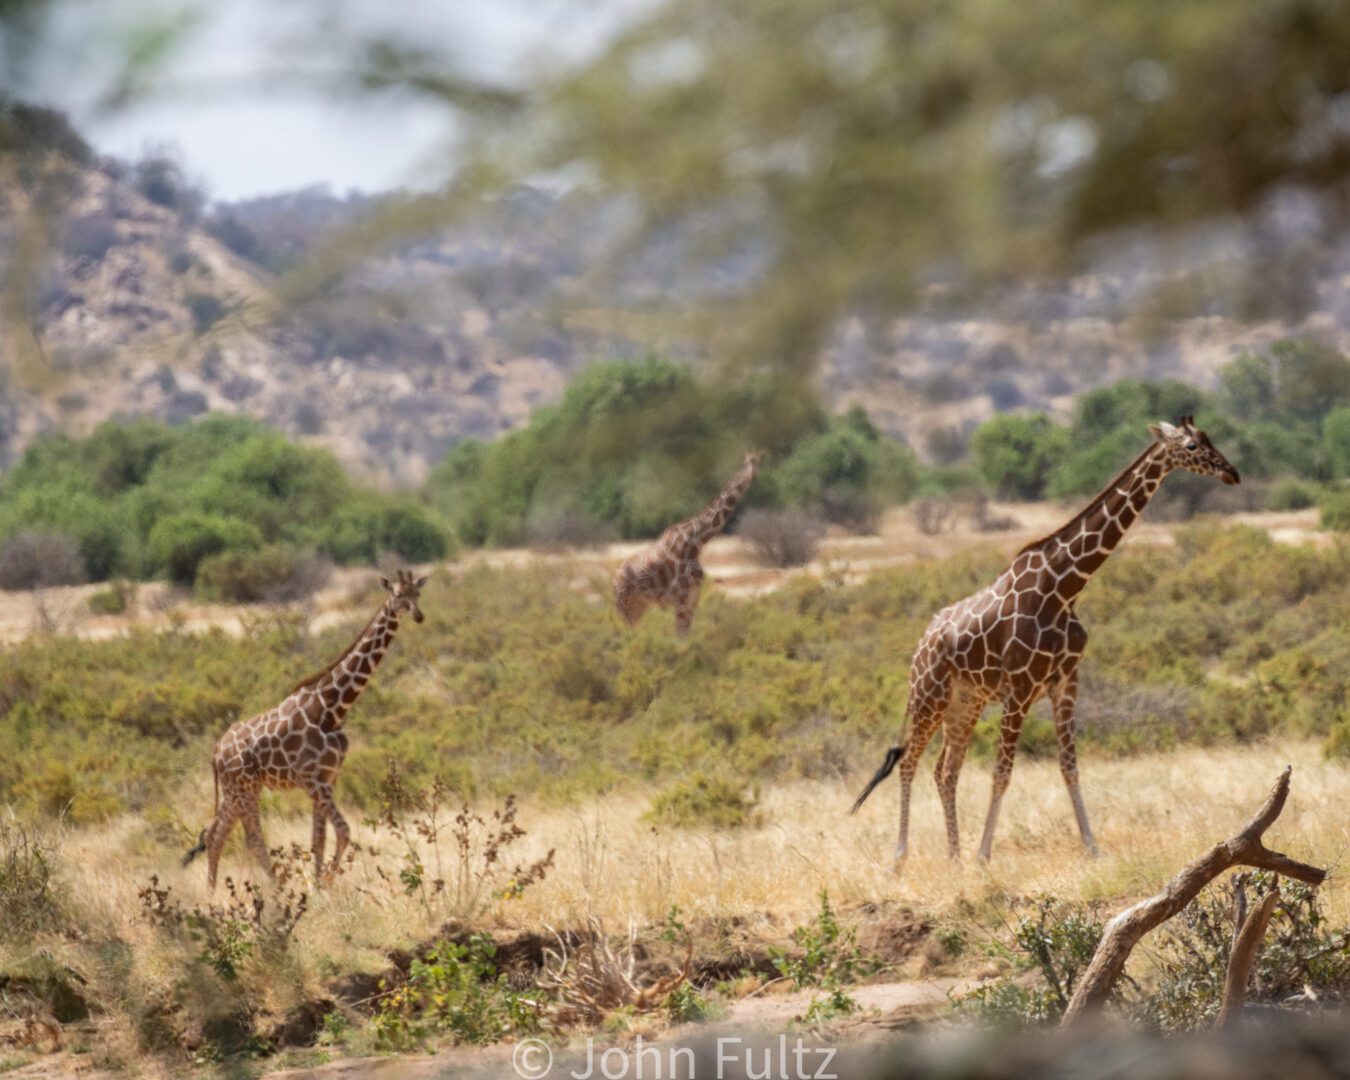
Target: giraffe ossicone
{"type": "Point", "coordinates": [300, 743]}
{"type": "Point", "coordinates": [668, 573]}
{"type": "Point", "coordinates": [1018, 639]}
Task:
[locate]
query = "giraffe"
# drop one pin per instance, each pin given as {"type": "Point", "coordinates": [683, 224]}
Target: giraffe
{"type": "Point", "coordinates": [668, 572]}
{"type": "Point", "coordinates": [1018, 639]}
{"type": "Point", "coordinates": [300, 743]}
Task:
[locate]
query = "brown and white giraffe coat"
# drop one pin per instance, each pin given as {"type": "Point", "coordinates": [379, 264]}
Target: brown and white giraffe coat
{"type": "Point", "coordinates": [668, 573]}
{"type": "Point", "coordinates": [300, 743]}
{"type": "Point", "coordinates": [1018, 639]}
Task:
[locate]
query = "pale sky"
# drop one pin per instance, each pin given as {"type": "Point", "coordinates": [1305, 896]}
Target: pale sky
{"type": "Point", "coordinates": [232, 95]}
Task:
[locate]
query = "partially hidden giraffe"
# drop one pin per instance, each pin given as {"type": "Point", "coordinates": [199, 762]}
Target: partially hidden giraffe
{"type": "Point", "coordinates": [300, 743]}
{"type": "Point", "coordinates": [1019, 639]}
{"type": "Point", "coordinates": [668, 572]}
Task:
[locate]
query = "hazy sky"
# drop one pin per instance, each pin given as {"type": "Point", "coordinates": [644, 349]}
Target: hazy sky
{"type": "Point", "coordinates": [227, 95]}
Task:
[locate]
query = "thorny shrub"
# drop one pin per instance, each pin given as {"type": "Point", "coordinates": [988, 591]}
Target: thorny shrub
{"type": "Point", "coordinates": [1302, 959]}
{"type": "Point", "coordinates": [1054, 939]}
{"type": "Point", "coordinates": [27, 899]}
{"type": "Point", "coordinates": [477, 872]}
{"type": "Point", "coordinates": [227, 934]}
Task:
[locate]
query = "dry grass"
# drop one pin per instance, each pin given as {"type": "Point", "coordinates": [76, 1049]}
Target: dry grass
{"type": "Point", "coordinates": [1151, 814]}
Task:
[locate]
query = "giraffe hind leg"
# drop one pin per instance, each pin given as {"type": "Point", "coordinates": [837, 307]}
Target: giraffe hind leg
{"type": "Point", "coordinates": [957, 725]}
{"type": "Point", "coordinates": [927, 704]}
{"type": "Point", "coordinates": [253, 838]}
{"type": "Point", "coordinates": [216, 835]}
{"type": "Point", "coordinates": [685, 605]}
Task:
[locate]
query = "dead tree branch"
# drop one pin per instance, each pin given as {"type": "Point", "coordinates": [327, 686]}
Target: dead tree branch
{"type": "Point", "coordinates": [1124, 931]}
{"type": "Point", "coordinates": [1246, 945]}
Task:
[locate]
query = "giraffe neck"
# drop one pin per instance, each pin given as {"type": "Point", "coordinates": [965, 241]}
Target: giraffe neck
{"type": "Point", "coordinates": [340, 685]}
{"type": "Point", "coordinates": [714, 517]}
{"type": "Point", "coordinates": [1082, 544]}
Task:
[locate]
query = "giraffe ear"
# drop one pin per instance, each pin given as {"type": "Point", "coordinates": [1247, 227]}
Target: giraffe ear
{"type": "Point", "coordinates": [385, 584]}
{"type": "Point", "coordinates": [1165, 430]}
{"type": "Point", "coordinates": [421, 582]}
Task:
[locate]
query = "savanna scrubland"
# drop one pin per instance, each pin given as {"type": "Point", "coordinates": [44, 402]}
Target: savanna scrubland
{"type": "Point", "coordinates": [531, 780]}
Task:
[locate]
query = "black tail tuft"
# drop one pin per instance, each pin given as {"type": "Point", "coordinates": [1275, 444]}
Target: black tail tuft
{"type": "Point", "coordinates": [892, 756]}
{"type": "Point", "coordinates": [201, 846]}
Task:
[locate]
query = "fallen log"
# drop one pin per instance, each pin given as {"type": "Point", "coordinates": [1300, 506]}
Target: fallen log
{"type": "Point", "coordinates": [1124, 931]}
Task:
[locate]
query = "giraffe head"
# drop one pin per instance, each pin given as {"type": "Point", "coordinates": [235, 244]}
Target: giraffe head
{"type": "Point", "coordinates": [1187, 447]}
{"type": "Point", "coordinates": [403, 593]}
{"type": "Point", "coordinates": [752, 459]}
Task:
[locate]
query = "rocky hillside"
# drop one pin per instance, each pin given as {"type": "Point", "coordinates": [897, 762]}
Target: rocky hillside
{"type": "Point", "coordinates": [146, 304]}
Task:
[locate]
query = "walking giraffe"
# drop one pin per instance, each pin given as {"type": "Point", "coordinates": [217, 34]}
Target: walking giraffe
{"type": "Point", "coordinates": [1018, 639]}
{"type": "Point", "coordinates": [668, 572]}
{"type": "Point", "coordinates": [300, 743]}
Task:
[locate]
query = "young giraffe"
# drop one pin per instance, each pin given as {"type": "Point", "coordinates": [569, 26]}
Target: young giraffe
{"type": "Point", "coordinates": [1018, 639]}
{"type": "Point", "coordinates": [668, 572]}
{"type": "Point", "coordinates": [300, 743]}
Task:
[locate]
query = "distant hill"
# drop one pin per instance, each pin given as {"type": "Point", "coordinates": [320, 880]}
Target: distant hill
{"type": "Point", "coordinates": [149, 305]}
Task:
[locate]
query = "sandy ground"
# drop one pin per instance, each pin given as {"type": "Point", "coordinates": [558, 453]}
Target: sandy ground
{"type": "Point", "coordinates": [729, 561]}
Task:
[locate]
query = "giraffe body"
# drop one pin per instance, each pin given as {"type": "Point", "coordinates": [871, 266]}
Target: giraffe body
{"type": "Point", "coordinates": [1018, 640]}
{"type": "Point", "coordinates": [300, 742]}
{"type": "Point", "coordinates": [668, 572]}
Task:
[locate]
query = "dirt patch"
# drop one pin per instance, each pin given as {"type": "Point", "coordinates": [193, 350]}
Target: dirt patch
{"type": "Point", "coordinates": [890, 932]}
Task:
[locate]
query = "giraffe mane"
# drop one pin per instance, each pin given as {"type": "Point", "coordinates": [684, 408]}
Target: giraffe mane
{"type": "Point", "coordinates": [318, 676]}
{"type": "Point", "coordinates": [1114, 482]}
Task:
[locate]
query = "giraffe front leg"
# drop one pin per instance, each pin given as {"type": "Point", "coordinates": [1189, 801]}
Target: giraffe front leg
{"type": "Point", "coordinates": [318, 836]}
{"type": "Point", "coordinates": [1064, 698]}
{"type": "Point", "coordinates": [325, 810]}
{"type": "Point", "coordinates": [1010, 729]}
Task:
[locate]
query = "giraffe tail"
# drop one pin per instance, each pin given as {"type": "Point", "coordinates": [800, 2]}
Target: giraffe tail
{"type": "Point", "coordinates": [892, 756]}
{"type": "Point", "coordinates": [201, 846]}
{"type": "Point", "coordinates": [215, 809]}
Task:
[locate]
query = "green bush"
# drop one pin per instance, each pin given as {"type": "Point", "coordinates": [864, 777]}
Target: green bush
{"type": "Point", "coordinates": [1016, 454]}
{"type": "Point", "coordinates": [1335, 507]}
{"type": "Point", "coordinates": [110, 491]}
{"type": "Point", "coordinates": [1291, 495]}
{"type": "Point", "coordinates": [271, 573]}
{"type": "Point", "coordinates": [705, 801]}
{"type": "Point", "coordinates": [639, 445]}
{"type": "Point", "coordinates": [179, 543]}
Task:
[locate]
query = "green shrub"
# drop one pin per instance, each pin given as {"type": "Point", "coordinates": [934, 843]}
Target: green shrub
{"type": "Point", "coordinates": [206, 310]}
{"type": "Point", "coordinates": [179, 543]}
{"type": "Point", "coordinates": [703, 801]}
{"type": "Point", "coordinates": [114, 600]}
{"type": "Point", "coordinates": [456, 990]}
{"type": "Point", "coordinates": [1016, 454]}
{"type": "Point", "coordinates": [271, 573]}
{"type": "Point", "coordinates": [1335, 507]}
{"type": "Point", "coordinates": [1054, 940]}
{"type": "Point", "coordinates": [1291, 495]}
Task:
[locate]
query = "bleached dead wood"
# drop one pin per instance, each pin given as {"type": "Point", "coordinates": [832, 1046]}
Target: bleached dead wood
{"type": "Point", "coordinates": [1246, 944]}
{"type": "Point", "coordinates": [1124, 931]}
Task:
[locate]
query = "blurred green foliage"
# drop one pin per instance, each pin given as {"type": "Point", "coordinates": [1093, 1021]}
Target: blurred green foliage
{"type": "Point", "coordinates": [143, 499]}
{"type": "Point", "coordinates": [639, 445]}
{"type": "Point", "coordinates": [1283, 414]}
